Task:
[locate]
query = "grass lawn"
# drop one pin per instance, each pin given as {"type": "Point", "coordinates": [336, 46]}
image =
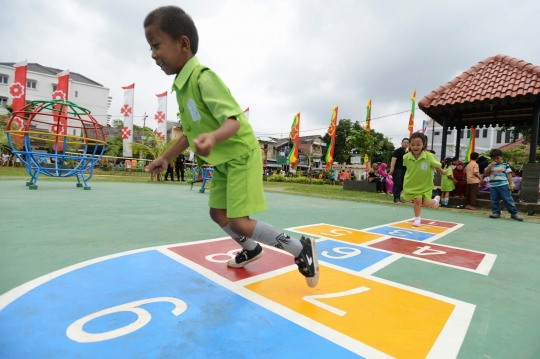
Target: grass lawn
{"type": "Point", "coordinates": [321, 191]}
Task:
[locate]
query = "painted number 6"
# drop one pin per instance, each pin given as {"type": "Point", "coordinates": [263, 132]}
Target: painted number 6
{"type": "Point", "coordinates": [347, 252]}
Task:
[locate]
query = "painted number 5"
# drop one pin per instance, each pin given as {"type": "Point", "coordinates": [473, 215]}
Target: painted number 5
{"type": "Point", "coordinates": [76, 332]}
{"type": "Point", "coordinates": [337, 232]}
{"type": "Point", "coordinates": [346, 252]}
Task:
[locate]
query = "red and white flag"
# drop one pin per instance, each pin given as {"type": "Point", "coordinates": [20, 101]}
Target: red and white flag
{"type": "Point", "coordinates": [127, 111]}
{"type": "Point", "coordinates": [246, 113]}
{"type": "Point", "coordinates": [18, 91]}
{"type": "Point", "coordinates": [60, 123]}
{"type": "Point", "coordinates": [161, 116]}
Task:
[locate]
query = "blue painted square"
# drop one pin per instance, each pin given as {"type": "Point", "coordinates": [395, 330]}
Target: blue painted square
{"type": "Point", "coordinates": [348, 255]}
{"type": "Point", "coordinates": [402, 233]}
{"type": "Point", "coordinates": [217, 323]}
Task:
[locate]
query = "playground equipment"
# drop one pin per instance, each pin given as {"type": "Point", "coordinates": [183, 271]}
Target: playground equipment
{"type": "Point", "coordinates": [55, 123]}
{"type": "Point", "coordinates": [201, 174]}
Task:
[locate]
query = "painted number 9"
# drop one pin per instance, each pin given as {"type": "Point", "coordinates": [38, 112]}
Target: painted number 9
{"type": "Point", "coordinates": [76, 332]}
{"type": "Point", "coordinates": [346, 252]}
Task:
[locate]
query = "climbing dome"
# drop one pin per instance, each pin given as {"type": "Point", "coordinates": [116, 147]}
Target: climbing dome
{"type": "Point", "coordinates": [75, 140]}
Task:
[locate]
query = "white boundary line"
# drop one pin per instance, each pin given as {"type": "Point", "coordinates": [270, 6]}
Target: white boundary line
{"type": "Point", "coordinates": [484, 267]}
{"type": "Point", "coordinates": [447, 344]}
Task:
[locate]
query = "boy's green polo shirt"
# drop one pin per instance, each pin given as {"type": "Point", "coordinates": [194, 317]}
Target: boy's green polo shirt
{"type": "Point", "coordinates": [205, 103]}
{"type": "Point", "coordinates": [419, 174]}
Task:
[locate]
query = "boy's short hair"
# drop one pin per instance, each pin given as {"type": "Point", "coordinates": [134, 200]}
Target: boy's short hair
{"type": "Point", "coordinates": [495, 153]}
{"type": "Point", "coordinates": [405, 139]}
{"type": "Point", "coordinates": [474, 156]}
{"type": "Point", "coordinates": [174, 21]}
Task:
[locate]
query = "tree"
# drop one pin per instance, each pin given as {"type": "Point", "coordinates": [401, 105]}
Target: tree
{"type": "Point", "coordinates": [154, 146]}
{"type": "Point", "coordinates": [115, 146]}
{"type": "Point", "coordinates": [343, 149]}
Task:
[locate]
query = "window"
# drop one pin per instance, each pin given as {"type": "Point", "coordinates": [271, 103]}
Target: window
{"type": "Point", "coordinates": [507, 136]}
{"type": "Point", "coordinates": [437, 133]}
{"type": "Point", "coordinates": [76, 93]}
{"type": "Point", "coordinates": [3, 79]}
{"type": "Point", "coordinates": [3, 101]}
{"type": "Point", "coordinates": [31, 84]}
{"type": "Point", "coordinates": [449, 132]}
{"type": "Point", "coordinates": [499, 136]}
{"type": "Point", "coordinates": [484, 133]}
{"type": "Point", "coordinates": [477, 134]}
{"type": "Point", "coordinates": [468, 133]}
{"type": "Point", "coordinates": [462, 133]}
{"type": "Point", "coordinates": [54, 87]}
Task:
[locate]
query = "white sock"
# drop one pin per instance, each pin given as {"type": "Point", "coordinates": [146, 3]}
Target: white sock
{"type": "Point", "coordinates": [417, 219]}
{"type": "Point", "coordinates": [246, 243]}
{"type": "Point", "coordinates": [272, 236]}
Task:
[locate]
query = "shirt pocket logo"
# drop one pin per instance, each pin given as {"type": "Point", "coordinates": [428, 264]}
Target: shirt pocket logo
{"type": "Point", "coordinates": [192, 108]}
{"type": "Point", "coordinates": [424, 166]}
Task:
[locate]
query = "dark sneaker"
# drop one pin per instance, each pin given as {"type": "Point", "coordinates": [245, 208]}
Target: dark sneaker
{"type": "Point", "coordinates": [244, 257]}
{"type": "Point", "coordinates": [495, 215]}
{"type": "Point", "coordinates": [517, 217]}
{"type": "Point", "coordinates": [307, 261]}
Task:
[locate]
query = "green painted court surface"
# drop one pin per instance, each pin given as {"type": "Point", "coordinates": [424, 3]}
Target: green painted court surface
{"type": "Point", "coordinates": [60, 225]}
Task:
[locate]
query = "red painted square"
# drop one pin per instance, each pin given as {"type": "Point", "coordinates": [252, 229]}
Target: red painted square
{"type": "Point", "coordinates": [214, 256]}
{"type": "Point", "coordinates": [432, 252]}
{"type": "Point", "coordinates": [430, 222]}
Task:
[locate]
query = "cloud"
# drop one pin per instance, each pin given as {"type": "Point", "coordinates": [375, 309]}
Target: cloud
{"type": "Point", "coordinates": [283, 57]}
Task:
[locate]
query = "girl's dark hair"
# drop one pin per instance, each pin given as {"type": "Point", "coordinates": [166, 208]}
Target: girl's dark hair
{"type": "Point", "coordinates": [174, 21]}
{"type": "Point", "coordinates": [447, 162]}
{"type": "Point", "coordinates": [420, 136]}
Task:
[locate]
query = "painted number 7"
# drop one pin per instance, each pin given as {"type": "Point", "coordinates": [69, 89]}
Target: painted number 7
{"type": "Point", "coordinates": [313, 299]}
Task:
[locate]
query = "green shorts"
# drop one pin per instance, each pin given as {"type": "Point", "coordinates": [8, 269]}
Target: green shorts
{"type": "Point", "coordinates": [426, 196]}
{"type": "Point", "coordinates": [237, 186]}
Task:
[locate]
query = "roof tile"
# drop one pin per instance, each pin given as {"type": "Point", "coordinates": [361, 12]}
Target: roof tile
{"type": "Point", "coordinates": [495, 77]}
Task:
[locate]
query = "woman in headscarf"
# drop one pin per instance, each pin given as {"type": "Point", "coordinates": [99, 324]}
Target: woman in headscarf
{"type": "Point", "coordinates": [386, 179]}
{"type": "Point", "coordinates": [460, 177]}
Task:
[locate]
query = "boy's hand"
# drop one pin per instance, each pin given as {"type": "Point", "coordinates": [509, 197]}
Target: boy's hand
{"type": "Point", "coordinates": [158, 165]}
{"type": "Point", "coordinates": [204, 144]}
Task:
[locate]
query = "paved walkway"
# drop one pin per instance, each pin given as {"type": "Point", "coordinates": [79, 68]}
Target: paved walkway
{"type": "Point", "coordinates": [137, 270]}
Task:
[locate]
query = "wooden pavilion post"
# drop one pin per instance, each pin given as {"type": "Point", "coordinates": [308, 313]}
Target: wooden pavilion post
{"type": "Point", "coordinates": [458, 136]}
{"type": "Point", "coordinates": [531, 170]}
{"type": "Point", "coordinates": [445, 130]}
{"type": "Point", "coordinates": [534, 136]}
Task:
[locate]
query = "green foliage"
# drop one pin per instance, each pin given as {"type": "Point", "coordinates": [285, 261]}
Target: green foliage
{"type": "Point", "coordinates": [516, 156]}
{"type": "Point", "coordinates": [299, 179]}
{"type": "Point", "coordinates": [115, 146]}
{"type": "Point", "coordinates": [117, 123]}
{"type": "Point", "coordinates": [351, 138]}
{"type": "Point", "coordinates": [154, 146]}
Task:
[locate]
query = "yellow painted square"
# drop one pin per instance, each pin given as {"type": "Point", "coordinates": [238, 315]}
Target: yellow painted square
{"type": "Point", "coordinates": [398, 322]}
{"type": "Point", "coordinates": [340, 233]}
{"type": "Point", "coordinates": [422, 228]}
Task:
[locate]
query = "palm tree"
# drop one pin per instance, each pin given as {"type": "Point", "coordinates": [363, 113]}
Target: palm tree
{"type": "Point", "coordinates": [155, 146]}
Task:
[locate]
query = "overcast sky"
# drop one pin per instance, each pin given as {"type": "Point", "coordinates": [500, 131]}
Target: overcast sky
{"type": "Point", "coordinates": [281, 57]}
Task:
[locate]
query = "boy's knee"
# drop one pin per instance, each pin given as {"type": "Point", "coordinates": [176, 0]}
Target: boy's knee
{"type": "Point", "coordinates": [238, 225]}
{"type": "Point", "coordinates": [219, 216]}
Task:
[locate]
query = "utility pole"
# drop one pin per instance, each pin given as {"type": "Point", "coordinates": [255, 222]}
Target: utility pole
{"type": "Point", "coordinates": [143, 137]}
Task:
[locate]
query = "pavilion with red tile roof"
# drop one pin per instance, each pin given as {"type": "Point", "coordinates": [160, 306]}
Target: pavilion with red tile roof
{"type": "Point", "coordinates": [498, 91]}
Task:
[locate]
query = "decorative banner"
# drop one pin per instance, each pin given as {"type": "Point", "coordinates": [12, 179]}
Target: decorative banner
{"type": "Point", "coordinates": [424, 127]}
{"type": "Point", "coordinates": [161, 116]}
{"type": "Point", "coordinates": [472, 142]}
{"type": "Point", "coordinates": [18, 91]}
{"type": "Point", "coordinates": [246, 113]}
{"type": "Point", "coordinates": [368, 117]}
{"type": "Point", "coordinates": [127, 111]}
{"type": "Point", "coordinates": [60, 123]}
{"type": "Point", "coordinates": [295, 137]}
{"type": "Point", "coordinates": [332, 133]}
{"type": "Point", "coordinates": [411, 118]}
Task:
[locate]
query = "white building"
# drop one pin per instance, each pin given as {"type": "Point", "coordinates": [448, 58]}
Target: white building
{"type": "Point", "coordinates": [42, 81]}
{"type": "Point", "coordinates": [486, 139]}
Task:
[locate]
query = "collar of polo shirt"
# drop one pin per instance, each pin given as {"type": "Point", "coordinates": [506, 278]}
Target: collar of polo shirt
{"type": "Point", "coordinates": [184, 74]}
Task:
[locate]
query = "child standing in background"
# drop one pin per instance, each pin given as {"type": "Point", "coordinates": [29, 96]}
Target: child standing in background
{"type": "Point", "coordinates": [501, 184]}
{"type": "Point", "coordinates": [473, 181]}
{"type": "Point", "coordinates": [418, 184]}
{"type": "Point", "coordinates": [447, 181]}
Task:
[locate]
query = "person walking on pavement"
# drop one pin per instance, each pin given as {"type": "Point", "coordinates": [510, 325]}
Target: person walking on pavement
{"type": "Point", "coordinates": [397, 170]}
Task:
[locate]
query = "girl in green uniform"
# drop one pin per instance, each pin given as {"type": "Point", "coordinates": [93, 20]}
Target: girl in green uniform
{"type": "Point", "coordinates": [447, 181]}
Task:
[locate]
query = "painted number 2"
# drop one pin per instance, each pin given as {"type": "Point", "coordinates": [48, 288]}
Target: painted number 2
{"type": "Point", "coordinates": [76, 332]}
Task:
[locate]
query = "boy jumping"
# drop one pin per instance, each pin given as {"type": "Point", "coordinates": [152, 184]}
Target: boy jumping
{"type": "Point", "coordinates": [215, 127]}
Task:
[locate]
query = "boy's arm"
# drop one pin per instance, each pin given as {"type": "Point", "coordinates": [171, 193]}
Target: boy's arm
{"type": "Point", "coordinates": [160, 163]}
{"type": "Point", "coordinates": [487, 171]}
{"type": "Point", "coordinates": [392, 165]}
{"type": "Point", "coordinates": [205, 142]}
{"type": "Point", "coordinates": [440, 170]}
{"type": "Point", "coordinates": [510, 181]}
{"type": "Point", "coordinates": [477, 172]}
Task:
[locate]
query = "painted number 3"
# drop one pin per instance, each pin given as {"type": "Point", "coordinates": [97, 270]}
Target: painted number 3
{"type": "Point", "coordinates": [76, 332]}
